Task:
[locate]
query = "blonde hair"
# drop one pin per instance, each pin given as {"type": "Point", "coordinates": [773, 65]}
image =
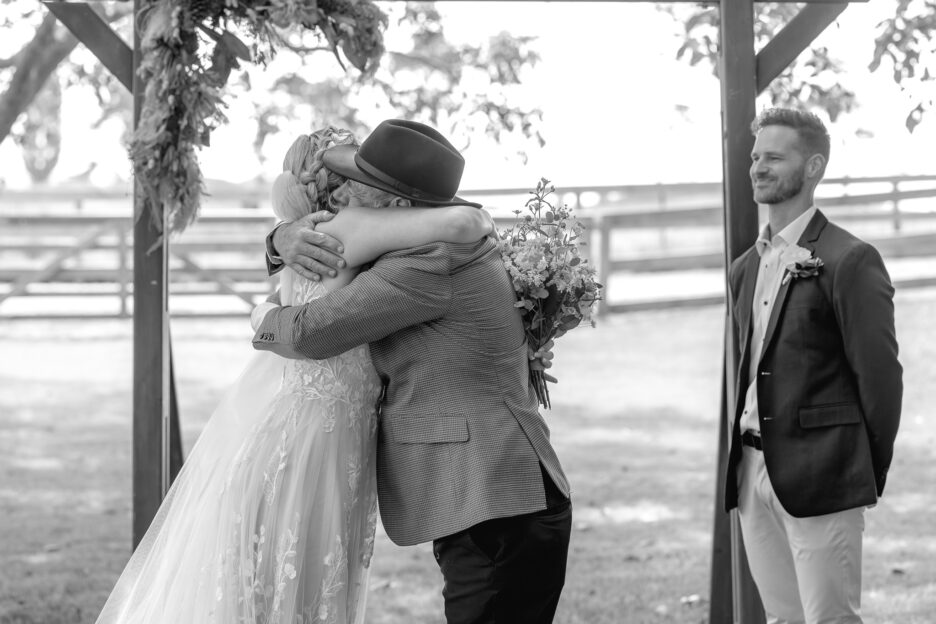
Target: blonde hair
{"type": "Point", "coordinates": [306, 185]}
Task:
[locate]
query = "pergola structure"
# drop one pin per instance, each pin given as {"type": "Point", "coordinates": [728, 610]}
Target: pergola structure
{"type": "Point", "coordinates": [743, 74]}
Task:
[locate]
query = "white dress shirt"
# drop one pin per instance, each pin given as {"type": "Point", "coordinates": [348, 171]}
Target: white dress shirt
{"type": "Point", "coordinates": [769, 275]}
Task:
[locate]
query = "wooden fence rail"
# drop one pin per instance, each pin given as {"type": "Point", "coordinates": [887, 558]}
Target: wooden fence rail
{"type": "Point", "coordinates": [76, 244]}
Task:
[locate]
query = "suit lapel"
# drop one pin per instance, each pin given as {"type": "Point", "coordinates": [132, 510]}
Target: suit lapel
{"type": "Point", "coordinates": [744, 312]}
{"type": "Point", "coordinates": [746, 299]}
{"type": "Point", "coordinates": [806, 241]}
{"type": "Point", "coordinates": [813, 231]}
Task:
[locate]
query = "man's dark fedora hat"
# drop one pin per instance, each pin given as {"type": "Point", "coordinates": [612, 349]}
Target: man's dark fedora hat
{"type": "Point", "coordinates": [405, 158]}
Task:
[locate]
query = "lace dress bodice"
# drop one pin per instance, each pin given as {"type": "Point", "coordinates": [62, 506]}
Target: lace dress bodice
{"type": "Point", "coordinates": [348, 378]}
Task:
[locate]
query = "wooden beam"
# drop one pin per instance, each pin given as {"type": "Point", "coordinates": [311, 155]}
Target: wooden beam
{"type": "Point", "coordinates": [151, 387]}
{"type": "Point", "coordinates": [720, 579]}
{"type": "Point", "coordinates": [97, 36]}
{"type": "Point", "coordinates": [793, 39]}
{"type": "Point", "coordinates": [149, 372]}
{"type": "Point", "coordinates": [738, 81]}
{"type": "Point", "coordinates": [176, 457]}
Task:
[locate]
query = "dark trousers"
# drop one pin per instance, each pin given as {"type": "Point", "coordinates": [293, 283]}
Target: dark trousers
{"type": "Point", "coordinates": [507, 570]}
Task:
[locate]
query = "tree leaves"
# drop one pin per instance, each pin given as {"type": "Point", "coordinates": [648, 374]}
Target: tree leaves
{"type": "Point", "coordinates": [916, 116]}
{"type": "Point", "coordinates": [235, 46]}
{"type": "Point", "coordinates": [905, 44]}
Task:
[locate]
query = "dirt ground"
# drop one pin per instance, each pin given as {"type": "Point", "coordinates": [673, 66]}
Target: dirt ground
{"type": "Point", "coordinates": [634, 421]}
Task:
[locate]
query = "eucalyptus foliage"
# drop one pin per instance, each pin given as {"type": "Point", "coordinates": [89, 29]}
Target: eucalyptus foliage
{"type": "Point", "coordinates": [183, 99]}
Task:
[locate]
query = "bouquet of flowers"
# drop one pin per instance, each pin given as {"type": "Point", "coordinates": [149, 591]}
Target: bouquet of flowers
{"type": "Point", "coordinates": [556, 287]}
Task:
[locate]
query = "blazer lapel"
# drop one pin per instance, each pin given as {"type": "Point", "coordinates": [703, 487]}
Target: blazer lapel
{"type": "Point", "coordinates": [813, 231]}
{"type": "Point", "coordinates": [746, 299]}
{"type": "Point", "coordinates": [744, 311]}
{"type": "Point", "coordinates": [806, 241]}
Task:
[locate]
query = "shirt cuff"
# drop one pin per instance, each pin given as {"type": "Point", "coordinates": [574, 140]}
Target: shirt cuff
{"type": "Point", "coordinates": [272, 256]}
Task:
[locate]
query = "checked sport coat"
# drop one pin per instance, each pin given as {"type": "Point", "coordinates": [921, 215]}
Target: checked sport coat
{"type": "Point", "coordinates": [829, 385]}
{"type": "Point", "coordinates": [461, 439]}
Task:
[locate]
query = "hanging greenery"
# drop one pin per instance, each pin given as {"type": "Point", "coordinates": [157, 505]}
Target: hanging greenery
{"type": "Point", "coordinates": [188, 52]}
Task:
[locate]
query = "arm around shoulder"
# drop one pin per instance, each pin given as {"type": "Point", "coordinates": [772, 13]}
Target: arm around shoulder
{"type": "Point", "coordinates": [402, 289]}
{"type": "Point", "coordinates": [368, 233]}
{"type": "Point", "coordinates": [466, 224]}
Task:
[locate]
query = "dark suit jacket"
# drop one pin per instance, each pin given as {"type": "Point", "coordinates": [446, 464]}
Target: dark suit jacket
{"type": "Point", "coordinates": [461, 438]}
{"type": "Point", "coordinates": [829, 384]}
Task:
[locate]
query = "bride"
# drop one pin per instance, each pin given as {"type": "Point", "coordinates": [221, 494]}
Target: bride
{"type": "Point", "coordinates": [272, 517]}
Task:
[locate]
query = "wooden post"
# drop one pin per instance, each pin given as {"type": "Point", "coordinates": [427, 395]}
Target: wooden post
{"type": "Point", "coordinates": [123, 269]}
{"type": "Point", "coordinates": [604, 262]}
{"type": "Point", "coordinates": [737, 70]}
{"type": "Point", "coordinates": [895, 205]}
{"type": "Point", "coordinates": [720, 591]}
{"type": "Point", "coordinates": [175, 433]}
{"type": "Point", "coordinates": [151, 396]}
{"type": "Point", "coordinates": [156, 434]}
{"type": "Point", "coordinates": [661, 207]}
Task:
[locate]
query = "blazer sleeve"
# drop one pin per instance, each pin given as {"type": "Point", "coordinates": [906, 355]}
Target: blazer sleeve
{"type": "Point", "coordinates": [863, 299]}
{"type": "Point", "coordinates": [402, 289]}
{"type": "Point", "coordinates": [735, 277]}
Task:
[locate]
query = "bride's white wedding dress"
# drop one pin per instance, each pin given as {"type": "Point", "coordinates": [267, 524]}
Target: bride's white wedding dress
{"type": "Point", "coordinates": [272, 518]}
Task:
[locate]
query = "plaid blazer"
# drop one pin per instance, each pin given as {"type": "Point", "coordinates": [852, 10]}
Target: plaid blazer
{"type": "Point", "coordinates": [461, 439]}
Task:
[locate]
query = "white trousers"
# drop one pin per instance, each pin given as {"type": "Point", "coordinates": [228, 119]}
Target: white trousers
{"type": "Point", "coordinates": [807, 570]}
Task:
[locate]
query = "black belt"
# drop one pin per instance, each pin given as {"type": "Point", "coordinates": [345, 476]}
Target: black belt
{"type": "Point", "coordinates": [749, 438]}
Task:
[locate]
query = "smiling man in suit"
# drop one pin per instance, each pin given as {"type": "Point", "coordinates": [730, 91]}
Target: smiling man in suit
{"type": "Point", "coordinates": [818, 391]}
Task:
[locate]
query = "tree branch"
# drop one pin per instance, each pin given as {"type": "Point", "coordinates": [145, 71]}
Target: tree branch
{"type": "Point", "coordinates": [420, 59]}
{"type": "Point", "coordinates": [38, 60]}
{"type": "Point", "coordinates": [35, 63]}
{"type": "Point", "coordinates": [10, 62]}
{"type": "Point", "coordinates": [303, 49]}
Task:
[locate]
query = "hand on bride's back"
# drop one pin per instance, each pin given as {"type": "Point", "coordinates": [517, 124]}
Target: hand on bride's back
{"type": "Point", "coordinates": [310, 253]}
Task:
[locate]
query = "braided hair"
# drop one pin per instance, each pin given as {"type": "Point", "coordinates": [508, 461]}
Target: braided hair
{"type": "Point", "coordinates": [306, 185]}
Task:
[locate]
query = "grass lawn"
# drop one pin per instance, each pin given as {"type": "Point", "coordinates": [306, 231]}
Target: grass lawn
{"type": "Point", "coordinates": [634, 421]}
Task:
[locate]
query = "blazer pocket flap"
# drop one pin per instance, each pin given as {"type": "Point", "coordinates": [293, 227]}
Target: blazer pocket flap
{"type": "Point", "coordinates": [429, 429]}
{"type": "Point", "coordinates": [829, 415]}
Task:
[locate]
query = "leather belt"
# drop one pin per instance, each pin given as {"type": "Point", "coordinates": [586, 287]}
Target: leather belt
{"type": "Point", "coordinates": [749, 438]}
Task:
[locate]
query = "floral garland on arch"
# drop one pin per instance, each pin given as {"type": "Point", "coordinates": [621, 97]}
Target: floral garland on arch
{"type": "Point", "coordinates": [183, 99]}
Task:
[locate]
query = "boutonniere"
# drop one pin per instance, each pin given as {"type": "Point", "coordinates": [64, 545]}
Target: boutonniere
{"type": "Point", "coordinates": [799, 263]}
